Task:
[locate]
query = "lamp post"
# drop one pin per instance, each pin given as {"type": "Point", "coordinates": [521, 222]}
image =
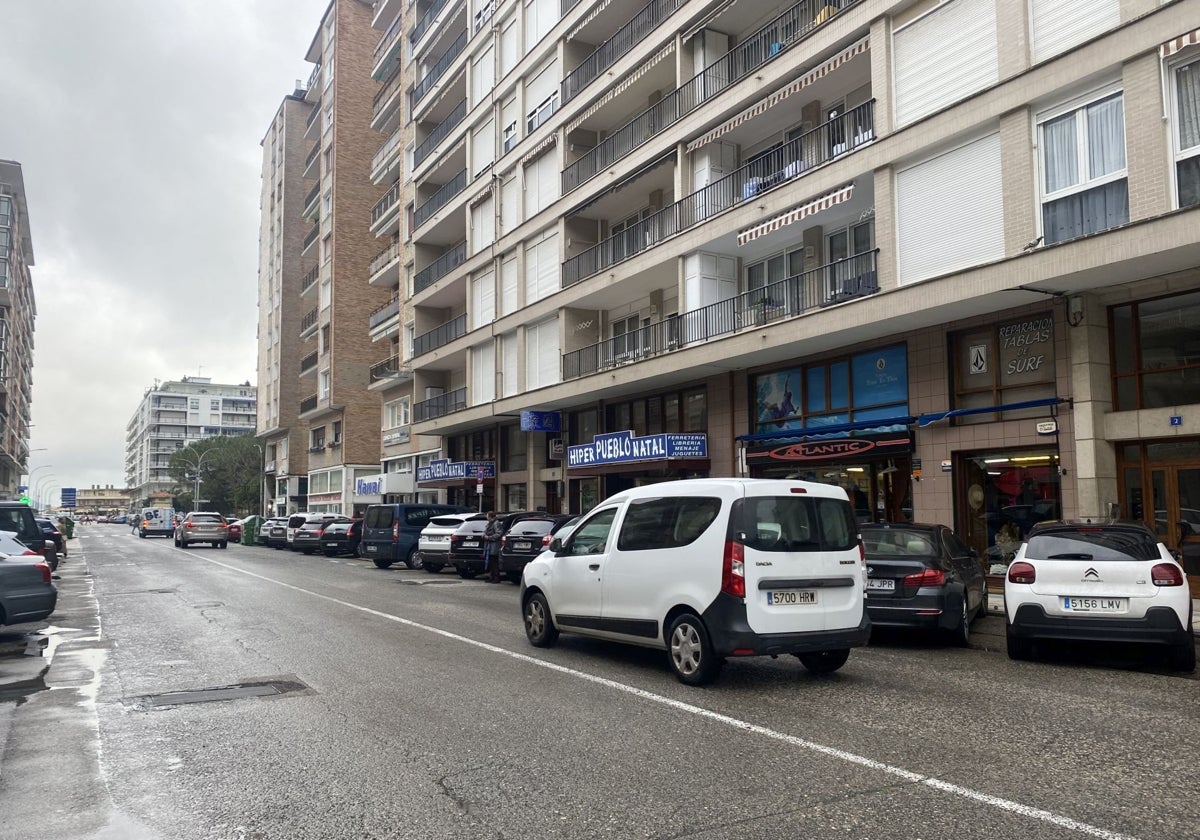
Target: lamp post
{"type": "Point", "coordinates": [47, 481]}
{"type": "Point", "coordinates": [29, 477]}
{"type": "Point", "coordinates": [196, 468]}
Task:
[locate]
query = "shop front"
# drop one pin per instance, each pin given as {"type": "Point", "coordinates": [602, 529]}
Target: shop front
{"type": "Point", "coordinates": [618, 461]}
{"type": "Point", "coordinates": [466, 483]}
{"type": "Point", "coordinates": [1160, 485]}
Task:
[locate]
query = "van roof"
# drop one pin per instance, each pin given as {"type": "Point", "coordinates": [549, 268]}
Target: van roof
{"type": "Point", "coordinates": [732, 488]}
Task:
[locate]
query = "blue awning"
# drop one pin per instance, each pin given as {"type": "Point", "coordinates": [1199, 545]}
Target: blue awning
{"type": "Point", "coordinates": [934, 417]}
{"type": "Point", "coordinates": [880, 425]}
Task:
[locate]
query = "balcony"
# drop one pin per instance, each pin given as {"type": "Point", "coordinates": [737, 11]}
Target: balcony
{"type": "Point", "coordinates": [384, 313]}
{"type": "Point", "coordinates": [440, 198]}
{"type": "Point", "coordinates": [309, 280]}
{"type": "Point", "coordinates": [308, 363]}
{"type": "Point", "coordinates": [314, 77]}
{"type": "Point", "coordinates": [385, 151]}
{"type": "Point", "coordinates": [440, 267]}
{"type": "Point", "coordinates": [440, 335]}
{"type": "Point", "coordinates": [309, 320]}
{"type": "Point", "coordinates": [383, 259]}
{"type": "Point", "coordinates": [310, 238]}
{"type": "Point", "coordinates": [440, 133]}
{"type": "Point", "coordinates": [310, 201]}
{"type": "Point", "coordinates": [387, 369]}
{"type": "Point", "coordinates": [388, 87]}
{"type": "Point", "coordinates": [312, 118]}
{"type": "Point", "coordinates": [423, 87]}
{"type": "Point", "coordinates": [781, 165]}
{"type": "Point", "coordinates": [392, 31]}
{"type": "Point", "coordinates": [769, 42]}
{"type": "Point", "coordinates": [384, 204]}
{"type": "Point", "coordinates": [425, 22]}
{"type": "Point", "coordinates": [440, 406]}
{"type": "Point", "coordinates": [625, 39]}
{"type": "Point", "coordinates": [837, 282]}
{"type": "Point", "coordinates": [308, 404]}
{"type": "Point", "coordinates": [312, 155]}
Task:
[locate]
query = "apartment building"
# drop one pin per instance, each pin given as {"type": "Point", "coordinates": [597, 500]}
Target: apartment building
{"type": "Point", "coordinates": [285, 268]}
{"type": "Point", "coordinates": [340, 412]}
{"type": "Point", "coordinates": [943, 254]}
{"type": "Point", "coordinates": [175, 414]}
{"type": "Point", "coordinates": [18, 312]}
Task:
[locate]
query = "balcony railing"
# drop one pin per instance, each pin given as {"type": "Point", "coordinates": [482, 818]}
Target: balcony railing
{"type": "Point", "coordinates": [440, 267]}
{"type": "Point", "coordinates": [390, 34]}
{"type": "Point", "coordinates": [440, 133]}
{"type": "Point", "coordinates": [779, 166]}
{"type": "Point", "coordinates": [385, 151]}
{"type": "Point", "coordinates": [836, 282]}
{"type": "Point", "coordinates": [388, 85]}
{"type": "Point", "coordinates": [312, 118]}
{"type": "Point", "coordinates": [423, 87]}
{"type": "Point", "coordinates": [384, 313]}
{"type": "Point", "coordinates": [308, 362]}
{"type": "Point", "coordinates": [310, 237]}
{"type": "Point", "coordinates": [384, 204]}
{"type": "Point", "coordinates": [309, 320]}
{"type": "Point", "coordinates": [307, 281]}
{"type": "Point", "coordinates": [624, 40]}
{"type": "Point", "coordinates": [388, 367]}
{"type": "Point", "coordinates": [440, 198]}
{"type": "Point", "coordinates": [447, 403]}
{"type": "Point", "coordinates": [308, 404]}
{"type": "Point", "coordinates": [440, 335]}
{"type": "Point", "coordinates": [382, 259]}
{"type": "Point", "coordinates": [312, 155]}
{"type": "Point", "coordinates": [314, 77]}
{"type": "Point", "coordinates": [425, 22]}
{"type": "Point", "coordinates": [312, 195]}
{"type": "Point", "coordinates": [772, 40]}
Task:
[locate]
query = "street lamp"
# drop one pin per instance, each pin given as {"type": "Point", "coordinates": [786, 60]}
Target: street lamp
{"type": "Point", "coordinates": [29, 477]}
{"type": "Point", "coordinates": [196, 468]}
{"type": "Point", "coordinates": [37, 497]}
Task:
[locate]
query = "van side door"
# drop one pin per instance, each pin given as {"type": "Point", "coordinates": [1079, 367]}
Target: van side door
{"type": "Point", "coordinates": [575, 588]}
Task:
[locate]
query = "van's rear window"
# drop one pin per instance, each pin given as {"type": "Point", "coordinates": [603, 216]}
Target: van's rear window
{"type": "Point", "coordinates": [795, 523]}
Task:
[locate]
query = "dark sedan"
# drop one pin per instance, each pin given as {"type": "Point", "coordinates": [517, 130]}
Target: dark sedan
{"type": "Point", "coordinates": [53, 534]}
{"type": "Point", "coordinates": [310, 536]}
{"type": "Point", "coordinates": [342, 538]}
{"type": "Point", "coordinates": [466, 544]}
{"type": "Point", "coordinates": [26, 593]}
{"type": "Point", "coordinates": [523, 541]}
{"type": "Point", "coordinates": [923, 576]}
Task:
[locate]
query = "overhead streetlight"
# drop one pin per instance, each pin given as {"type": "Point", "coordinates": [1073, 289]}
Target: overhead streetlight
{"type": "Point", "coordinates": [37, 497]}
{"type": "Point", "coordinates": [195, 465]}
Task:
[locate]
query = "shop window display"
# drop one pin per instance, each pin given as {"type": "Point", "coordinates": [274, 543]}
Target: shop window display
{"type": "Point", "coordinates": [1006, 493]}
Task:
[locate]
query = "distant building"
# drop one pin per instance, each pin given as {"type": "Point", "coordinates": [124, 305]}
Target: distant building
{"type": "Point", "coordinates": [175, 414]}
{"type": "Point", "coordinates": [17, 314]}
{"type": "Point", "coordinates": [103, 500]}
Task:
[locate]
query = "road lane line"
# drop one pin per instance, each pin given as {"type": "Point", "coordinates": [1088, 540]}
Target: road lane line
{"type": "Point", "coordinates": [1009, 805]}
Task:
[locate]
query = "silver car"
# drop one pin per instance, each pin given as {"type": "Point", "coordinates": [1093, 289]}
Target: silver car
{"type": "Point", "coordinates": [26, 593]}
{"type": "Point", "coordinates": [202, 527]}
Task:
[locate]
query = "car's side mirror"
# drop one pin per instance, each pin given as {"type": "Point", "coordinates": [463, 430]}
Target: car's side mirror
{"type": "Point", "coordinates": [556, 545]}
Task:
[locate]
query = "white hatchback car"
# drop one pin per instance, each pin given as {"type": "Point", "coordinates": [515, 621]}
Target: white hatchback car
{"type": "Point", "coordinates": [707, 569]}
{"type": "Point", "coordinates": [1112, 582]}
{"type": "Point", "coordinates": [433, 544]}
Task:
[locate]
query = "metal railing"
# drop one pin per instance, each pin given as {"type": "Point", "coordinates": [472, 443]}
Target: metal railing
{"type": "Point", "coordinates": [779, 166]}
{"type": "Point", "coordinates": [388, 35]}
{"type": "Point", "coordinates": [382, 370]}
{"type": "Point", "coordinates": [423, 87]}
{"type": "Point", "coordinates": [440, 335]}
{"type": "Point", "coordinates": [388, 85]}
{"type": "Point", "coordinates": [384, 204]}
{"type": "Point", "coordinates": [312, 118]}
{"type": "Point", "coordinates": [314, 77]}
{"type": "Point", "coordinates": [309, 279]}
{"type": "Point", "coordinates": [310, 238]}
{"type": "Point", "coordinates": [383, 313]}
{"type": "Point", "coordinates": [309, 320]}
{"type": "Point", "coordinates": [312, 155]}
{"type": "Point", "coordinates": [623, 40]}
{"type": "Point", "coordinates": [383, 258]}
{"type": "Point", "coordinates": [309, 362]}
{"type": "Point", "coordinates": [440, 267]}
{"type": "Point", "coordinates": [385, 150]}
{"type": "Point", "coordinates": [440, 132]}
{"type": "Point", "coordinates": [312, 195]}
{"type": "Point", "coordinates": [835, 282]}
{"type": "Point", "coordinates": [308, 404]}
{"type": "Point", "coordinates": [425, 22]}
{"type": "Point", "coordinates": [440, 198]}
{"type": "Point", "coordinates": [439, 406]}
{"type": "Point", "coordinates": [767, 43]}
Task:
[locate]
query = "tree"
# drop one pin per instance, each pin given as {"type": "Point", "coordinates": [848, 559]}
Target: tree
{"type": "Point", "coordinates": [230, 474]}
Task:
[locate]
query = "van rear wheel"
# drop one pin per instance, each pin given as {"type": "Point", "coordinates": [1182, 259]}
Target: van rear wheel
{"type": "Point", "coordinates": [691, 653]}
{"type": "Point", "coordinates": [382, 563]}
{"type": "Point", "coordinates": [413, 560]}
{"type": "Point", "coordinates": [824, 661]}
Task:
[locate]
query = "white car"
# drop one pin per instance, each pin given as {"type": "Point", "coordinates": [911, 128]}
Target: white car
{"type": "Point", "coordinates": [433, 544]}
{"type": "Point", "coordinates": [707, 569]}
{"type": "Point", "coordinates": [1098, 583]}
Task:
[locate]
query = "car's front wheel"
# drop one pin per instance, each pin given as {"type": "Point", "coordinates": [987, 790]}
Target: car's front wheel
{"type": "Point", "coordinates": [432, 568]}
{"type": "Point", "coordinates": [382, 563]}
{"type": "Point", "coordinates": [223, 544]}
{"type": "Point", "coordinates": [824, 661]}
{"type": "Point", "coordinates": [539, 626]}
{"type": "Point", "coordinates": [690, 651]}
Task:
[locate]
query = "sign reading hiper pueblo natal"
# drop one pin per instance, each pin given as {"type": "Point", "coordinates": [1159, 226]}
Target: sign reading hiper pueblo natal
{"type": "Point", "coordinates": [624, 448]}
{"type": "Point", "coordinates": [445, 470]}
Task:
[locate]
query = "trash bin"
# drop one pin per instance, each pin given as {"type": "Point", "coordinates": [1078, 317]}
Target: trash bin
{"type": "Point", "coordinates": [68, 526]}
{"type": "Point", "coordinates": [250, 529]}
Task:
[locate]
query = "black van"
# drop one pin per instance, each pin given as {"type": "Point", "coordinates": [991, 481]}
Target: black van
{"type": "Point", "coordinates": [390, 532]}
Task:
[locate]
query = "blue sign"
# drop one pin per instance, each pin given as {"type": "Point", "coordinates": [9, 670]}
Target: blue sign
{"type": "Point", "coordinates": [369, 486]}
{"type": "Point", "coordinates": [541, 421]}
{"type": "Point", "coordinates": [1176, 420]}
{"type": "Point", "coordinates": [624, 448]}
{"type": "Point", "coordinates": [446, 470]}
{"type": "Point", "coordinates": [67, 497]}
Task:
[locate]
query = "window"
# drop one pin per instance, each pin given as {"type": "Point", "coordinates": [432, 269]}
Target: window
{"type": "Point", "coordinates": [337, 432]}
{"type": "Point", "coordinates": [214, 405]}
{"type": "Point", "coordinates": [541, 354]}
{"type": "Point", "coordinates": [324, 386]}
{"type": "Point", "coordinates": [513, 453]}
{"type": "Point", "coordinates": [629, 343]}
{"type": "Point", "coordinates": [396, 413]}
{"type": "Point", "coordinates": [592, 535]}
{"type": "Point", "coordinates": [316, 439]}
{"type": "Point", "coordinates": [1156, 353]}
{"type": "Point", "coordinates": [668, 522]}
{"type": "Point", "coordinates": [1186, 87]}
{"type": "Point", "coordinates": [194, 404]}
{"type": "Point", "coordinates": [516, 497]}
{"type": "Point", "coordinates": [541, 267]}
{"type": "Point", "coordinates": [793, 523]}
{"type": "Point", "coordinates": [1084, 186]}
{"type": "Point", "coordinates": [850, 273]}
{"type": "Point", "coordinates": [1004, 363]}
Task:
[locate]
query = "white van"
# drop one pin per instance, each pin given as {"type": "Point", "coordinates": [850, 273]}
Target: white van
{"type": "Point", "coordinates": [156, 522]}
{"type": "Point", "coordinates": [707, 569]}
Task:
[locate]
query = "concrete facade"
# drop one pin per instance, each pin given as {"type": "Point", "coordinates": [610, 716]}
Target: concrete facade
{"type": "Point", "coordinates": [18, 312]}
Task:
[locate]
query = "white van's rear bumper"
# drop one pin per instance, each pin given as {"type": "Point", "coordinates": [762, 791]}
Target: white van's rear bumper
{"type": "Point", "coordinates": [731, 634]}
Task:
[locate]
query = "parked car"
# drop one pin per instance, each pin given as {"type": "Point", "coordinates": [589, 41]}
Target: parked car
{"type": "Point", "coordinates": [1111, 582]}
{"type": "Point", "coordinates": [157, 522]}
{"type": "Point", "coordinates": [923, 576]}
{"type": "Point", "coordinates": [705, 569]}
{"type": "Point", "coordinates": [53, 534]}
{"type": "Point", "coordinates": [433, 544]}
{"type": "Point", "coordinates": [235, 529]}
{"type": "Point", "coordinates": [198, 527]}
{"type": "Point", "coordinates": [27, 592]}
{"type": "Point", "coordinates": [342, 537]}
{"type": "Point", "coordinates": [523, 540]}
{"type": "Point", "coordinates": [275, 529]}
{"type": "Point", "coordinates": [391, 531]}
{"type": "Point", "coordinates": [18, 519]}
{"type": "Point", "coordinates": [119, 519]}
{"type": "Point", "coordinates": [297, 520]}
{"type": "Point", "coordinates": [466, 543]}
{"type": "Point", "coordinates": [309, 537]}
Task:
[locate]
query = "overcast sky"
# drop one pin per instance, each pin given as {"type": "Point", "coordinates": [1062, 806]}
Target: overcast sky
{"type": "Point", "coordinates": [137, 124]}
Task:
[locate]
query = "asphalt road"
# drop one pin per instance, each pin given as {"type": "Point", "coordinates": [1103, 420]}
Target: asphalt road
{"type": "Point", "coordinates": [411, 706]}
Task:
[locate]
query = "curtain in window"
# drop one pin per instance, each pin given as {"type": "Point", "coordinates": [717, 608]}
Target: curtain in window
{"type": "Point", "coordinates": [1188, 80]}
{"type": "Point", "coordinates": [1086, 212]}
{"type": "Point", "coordinates": [1061, 153]}
{"type": "Point", "coordinates": [1188, 175]}
{"type": "Point", "coordinates": [1106, 137]}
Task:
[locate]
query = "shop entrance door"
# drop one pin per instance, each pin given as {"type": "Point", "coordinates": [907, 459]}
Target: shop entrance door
{"type": "Point", "coordinates": [1177, 516]}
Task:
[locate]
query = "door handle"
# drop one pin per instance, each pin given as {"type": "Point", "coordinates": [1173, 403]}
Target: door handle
{"type": "Point", "coordinates": [595, 567]}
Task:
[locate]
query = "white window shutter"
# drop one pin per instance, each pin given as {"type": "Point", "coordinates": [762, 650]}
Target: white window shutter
{"type": "Point", "coordinates": [483, 146]}
{"type": "Point", "coordinates": [531, 273]}
{"type": "Point", "coordinates": [509, 51]}
{"type": "Point", "coordinates": [508, 285]}
{"type": "Point", "coordinates": [483, 373]}
{"type": "Point", "coordinates": [548, 360]}
{"type": "Point", "coordinates": [487, 297]}
{"type": "Point", "coordinates": [539, 88]}
{"type": "Point", "coordinates": [510, 202]}
{"type": "Point", "coordinates": [483, 75]}
{"type": "Point", "coordinates": [548, 180]}
{"type": "Point", "coordinates": [508, 362]}
{"type": "Point", "coordinates": [1059, 25]}
{"type": "Point", "coordinates": [533, 188]}
{"type": "Point", "coordinates": [547, 267]}
{"type": "Point", "coordinates": [483, 225]}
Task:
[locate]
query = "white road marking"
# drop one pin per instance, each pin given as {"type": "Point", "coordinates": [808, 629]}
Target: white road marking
{"type": "Point", "coordinates": [833, 752]}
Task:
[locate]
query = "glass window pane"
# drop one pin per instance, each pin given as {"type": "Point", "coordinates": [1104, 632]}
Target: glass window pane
{"type": "Point", "coordinates": [775, 268]}
{"type": "Point", "coordinates": [1187, 94]}
{"type": "Point", "coordinates": [696, 408]}
{"type": "Point", "coordinates": [814, 389]}
{"type": "Point", "coordinates": [1177, 387]}
{"type": "Point", "coordinates": [1168, 332]}
{"type": "Point", "coordinates": [1106, 137]}
{"type": "Point", "coordinates": [1122, 339]}
{"type": "Point", "coordinates": [839, 385]}
{"type": "Point", "coordinates": [1188, 175]}
{"type": "Point", "coordinates": [1060, 153]}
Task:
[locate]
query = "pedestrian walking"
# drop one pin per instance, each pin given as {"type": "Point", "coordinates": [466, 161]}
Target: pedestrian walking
{"type": "Point", "coordinates": [491, 548]}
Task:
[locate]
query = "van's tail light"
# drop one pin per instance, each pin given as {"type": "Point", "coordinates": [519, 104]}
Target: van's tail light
{"type": "Point", "coordinates": [1166, 574]}
{"type": "Point", "coordinates": [929, 577]}
{"type": "Point", "coordinates": [396, 531]}
{"type": "Point", "coordinates": [1021, 572]}
{"type": "Point", "coordinates": [45, 570]}
{"type": "Point", "coordinates": [733, 570]}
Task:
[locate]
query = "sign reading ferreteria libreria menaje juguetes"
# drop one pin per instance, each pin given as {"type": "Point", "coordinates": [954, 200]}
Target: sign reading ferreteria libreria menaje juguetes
{"type": "Point", "coordinates": [624, 448]}
{"type": "Point", "coordinates": [445, 470]}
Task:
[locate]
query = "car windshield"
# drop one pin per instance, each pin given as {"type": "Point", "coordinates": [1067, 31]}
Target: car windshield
{"type": "Point", "coordinates": [1097, 544]}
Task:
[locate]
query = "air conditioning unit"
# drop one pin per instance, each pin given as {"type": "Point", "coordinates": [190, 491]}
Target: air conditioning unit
{"type": "Point", "coordinates": [431, 392]}
{"type": "Point", "coordinates": [576, 242]}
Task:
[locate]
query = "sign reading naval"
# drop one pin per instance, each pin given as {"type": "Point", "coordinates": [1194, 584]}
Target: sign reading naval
{"type": "Point", "coordinates": [624, 448]}
{"type": "Point", "coordinates": [541, 421]}
{"type": "Point", "coordinates": [444, 470]}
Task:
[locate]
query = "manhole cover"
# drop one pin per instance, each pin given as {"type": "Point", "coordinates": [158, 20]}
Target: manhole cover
{"type": "Point", "coordinates": [238, 691]}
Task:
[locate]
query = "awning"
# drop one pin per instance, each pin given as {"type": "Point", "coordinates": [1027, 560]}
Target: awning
{"type": "Point", "coordinates": [783, 93]}
{"type": "Point", "coordinates": [886, 424]}
{"type": "Point", "coordinates": [795, 214]}
{"type": "Point", "coordinates": [937, 416]}
{"type": "Point", "coordinates": [588, 18]}
{"type": "Point", "coordinates": [635, 74]}
{"type": "Point", "coordinates": [1176, 44]}
{"type": "Point", "coordinates": [546, 143]}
